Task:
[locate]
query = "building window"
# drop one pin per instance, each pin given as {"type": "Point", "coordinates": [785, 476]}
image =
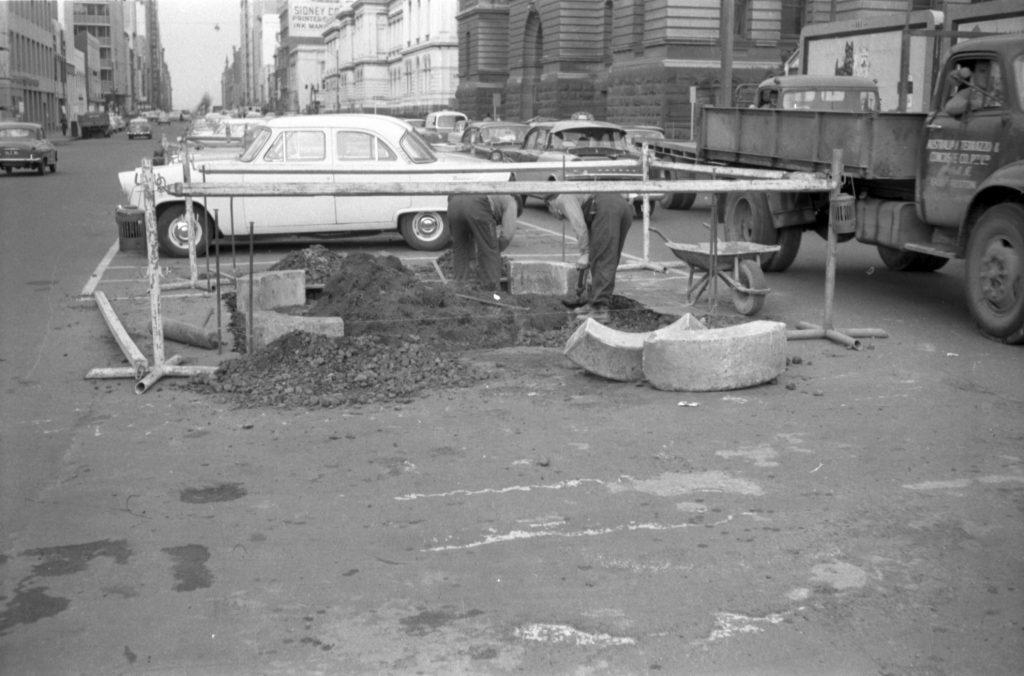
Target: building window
{"type": "Point", "coordinates": [793, 12]}
{"type": "Point", "coordinates": [741, 18]}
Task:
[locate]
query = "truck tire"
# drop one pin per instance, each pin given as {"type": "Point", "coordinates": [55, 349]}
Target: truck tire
{"type": "Point", "coordinates": [748, 219]}
{"type": "Point", "coordinates": [172, 231]}
{"type": "Point", "coordinates": [909, 261]}
{"type": "Point", "coordinates": [425, 230]}
{"type": "Point", "coordinates": [677, 200]}
{"type": "Point", "coordinates": [995, 272]}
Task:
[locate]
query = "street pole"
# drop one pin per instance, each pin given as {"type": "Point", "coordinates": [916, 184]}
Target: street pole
{"type": "Point", "coordinates": [728, 30]}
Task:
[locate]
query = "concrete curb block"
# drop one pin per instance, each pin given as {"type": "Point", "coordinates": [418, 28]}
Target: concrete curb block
{"type": "Point", "coordinates": [715, 359]}
{"type": "Point", "coordinates": [272, 289]}
{"type": "Point", "coordinates": [552, 278]}
{"type": "Point", "coordinates": [607, 352]}
{"type": "Point", "coordinates": [268, 326]}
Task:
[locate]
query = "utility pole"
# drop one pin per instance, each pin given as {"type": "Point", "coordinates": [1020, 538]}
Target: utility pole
{"type": "Point", "coordinates": [728, 31]}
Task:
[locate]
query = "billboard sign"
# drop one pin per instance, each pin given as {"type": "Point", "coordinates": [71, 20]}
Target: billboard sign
{"type": "Point", "coordinates": [308, 18]}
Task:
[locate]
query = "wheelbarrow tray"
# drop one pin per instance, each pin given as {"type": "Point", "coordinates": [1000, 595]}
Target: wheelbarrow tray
{"type": "Point", "coordinates": [699, 255]}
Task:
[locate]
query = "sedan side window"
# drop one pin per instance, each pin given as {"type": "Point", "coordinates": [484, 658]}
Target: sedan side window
{"type": "Point", "coordinates": [357, 145]}
{"type": "Point", "coordinates": [297, 146]}
{"type": "Point", "coordinates": [305, 146]}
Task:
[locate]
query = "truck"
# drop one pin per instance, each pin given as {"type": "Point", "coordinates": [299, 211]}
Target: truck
{"type": "Point", "coordinates": [790, 92]}
{"type": "Point", "coordinates": [927, 187]}
{"type": "Point", "coordinates": [94, 124]}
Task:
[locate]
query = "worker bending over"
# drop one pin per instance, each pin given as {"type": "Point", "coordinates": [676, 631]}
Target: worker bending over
{"type": "Point", "coordinates": [600, 223]}
{"type": "Point", "coordinates": [486, 224]}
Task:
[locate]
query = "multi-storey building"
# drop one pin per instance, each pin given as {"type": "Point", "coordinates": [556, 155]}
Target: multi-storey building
{"type": "Point", "coordinates": [104, 20]}
{"type": "Point", "coordinates": [636, 61]}
{"type": "Point", "coordinates": [397, 57]}
{"type": "Point", "coordinates": [31, 62]}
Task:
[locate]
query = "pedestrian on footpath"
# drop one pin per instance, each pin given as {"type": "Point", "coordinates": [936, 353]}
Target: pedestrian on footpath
{"type": "Point", "coordinates": [482, 227]}
{"type": "Point", "coordinates": [63, 125]}
{"type": "Point", "coordinates": [600, 223]}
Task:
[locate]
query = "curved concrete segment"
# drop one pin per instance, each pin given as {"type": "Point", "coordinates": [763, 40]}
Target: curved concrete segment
{"type": "Point", "coordinates": [716, 359]}
{"type": "Point", "coordinates": [607, 352]}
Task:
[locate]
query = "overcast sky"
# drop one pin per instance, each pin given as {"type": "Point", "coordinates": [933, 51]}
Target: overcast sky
{"type": "Point", "coordinates": [197, 36]}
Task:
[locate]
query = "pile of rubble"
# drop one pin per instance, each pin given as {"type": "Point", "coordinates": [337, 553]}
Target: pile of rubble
{"type": "Point", "coordinates": [405, 333]}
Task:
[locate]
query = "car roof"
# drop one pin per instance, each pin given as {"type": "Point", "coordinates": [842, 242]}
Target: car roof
{"type": "Point", "coordinates": [564, 125]}
{"type": "Point", "coordinates": [339, 120]}
{"type": "Point", "coordinates": [817, 81]}
{"type": "Point", "coordinates": [496, 123]}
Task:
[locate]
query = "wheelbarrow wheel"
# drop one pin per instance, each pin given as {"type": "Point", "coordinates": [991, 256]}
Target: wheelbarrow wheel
{"type": "Point", "coordinates": [750, 277]}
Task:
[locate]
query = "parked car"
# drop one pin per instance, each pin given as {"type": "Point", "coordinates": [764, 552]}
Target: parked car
{"type": "Point", "coordinates": [488, 139]}
{"type": "Point", "coordinates": [636, 133]}
{"type": "Point", "coordinates": [139, 127]}
{"type": "Point", "coordinates": [23, 145]}
{"type": "Point", "coordinates": [318, 149]}
{"type": "Point", "coordinates": [568, 146]}
{"type": "Point", "coordinates": [444, 126]}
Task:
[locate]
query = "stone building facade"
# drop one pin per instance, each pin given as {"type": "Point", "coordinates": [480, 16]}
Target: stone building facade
{"type": "Point", "coordinates": [629, 61]}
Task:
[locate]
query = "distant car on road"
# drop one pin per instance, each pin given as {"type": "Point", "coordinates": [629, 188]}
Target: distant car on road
{"type": "Point", "coordinates": [117, 123]}
{"type": "Point", "coordinates": [23, 145]}
{"type": "Point", "coordinates": [444, 126]}
{"type": "Point", "coordinates": [318, 149]}
{"type": "Point", "coordinates": [488, 139]}
{"type": "Point", "coordinates": [163, 118]}
{"type": "Point", "coordinates": [568, 146]}
{"type": "Point", "coordinates": [139, 127]}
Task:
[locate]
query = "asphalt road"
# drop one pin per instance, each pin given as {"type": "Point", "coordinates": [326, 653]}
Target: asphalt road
{"type": "Point", "coordinates": [861, 515]}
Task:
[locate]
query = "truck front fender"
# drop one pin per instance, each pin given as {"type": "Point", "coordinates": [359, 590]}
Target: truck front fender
{"type": "Point", "coordinates": [1005, 184]}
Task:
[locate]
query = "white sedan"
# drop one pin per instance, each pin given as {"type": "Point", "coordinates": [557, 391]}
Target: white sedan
{"type": "Point", "coordinates": [316, 149]}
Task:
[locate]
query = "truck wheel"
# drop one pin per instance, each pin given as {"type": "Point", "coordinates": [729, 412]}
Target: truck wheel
{"type": "Point", "coordinates": [638, 208]}
{"type": "Point", "coordinates": [425, 230]}
{"type": "Point", "coordinates": [678, 200]}
{"type": "Point", "coordinates": [41, 168]}
{"type": "Point", "coordinates": [909, 261]}
{"type": "Point", "coordinates": [751, 277]}
{"type": "Point", "coordinates": [748, 219]}
{"type": "Point", "coordinates": [172, 230]}
{"type": "Point", "coordinates": [995, 272]}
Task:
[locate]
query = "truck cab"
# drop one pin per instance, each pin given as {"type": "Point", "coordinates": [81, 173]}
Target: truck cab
{"type": "Point", "coordinates": [974, 135]}
{"type": "Point", "coordinates": [818, 92]}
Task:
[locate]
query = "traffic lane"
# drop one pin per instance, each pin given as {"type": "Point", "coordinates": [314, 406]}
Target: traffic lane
{"type": "Point", "coordinates": [54, 227]}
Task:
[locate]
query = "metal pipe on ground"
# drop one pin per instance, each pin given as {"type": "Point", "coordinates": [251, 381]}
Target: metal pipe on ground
{"type": "Point", "coordinates": [128, 347]}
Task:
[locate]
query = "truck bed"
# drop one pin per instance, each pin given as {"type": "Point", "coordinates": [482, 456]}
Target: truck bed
{"type": "Point", "coordinates": [876, 146]}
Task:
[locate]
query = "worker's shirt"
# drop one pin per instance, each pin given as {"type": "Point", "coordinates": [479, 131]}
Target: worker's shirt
{"type": "Point", "coordinates": [567, 208]}
{"type": "Point", "coordinates": [506, 214]}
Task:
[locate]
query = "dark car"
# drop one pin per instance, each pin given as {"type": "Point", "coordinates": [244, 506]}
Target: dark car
{"type": "Point", "coordinates": [23, 145]}
{"type": "Point", "coordinates": [488, 139]}
{"type": "Point", "coordinates": [573, 149]}
{"type": "Point", "coordinates": [139, 127]}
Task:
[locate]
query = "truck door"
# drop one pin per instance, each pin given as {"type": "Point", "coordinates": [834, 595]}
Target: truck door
{"type": "Point", "coordinates": [964, 138]}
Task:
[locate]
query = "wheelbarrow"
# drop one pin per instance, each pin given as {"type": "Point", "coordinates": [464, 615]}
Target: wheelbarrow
{"type": "Point", "coordinates": [737, 264]}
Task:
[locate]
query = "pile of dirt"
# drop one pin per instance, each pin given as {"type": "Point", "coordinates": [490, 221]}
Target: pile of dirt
{"type": "Point", "coordinates": [405, 332]}
{"type": "Point", "coordinates": [319, 262]}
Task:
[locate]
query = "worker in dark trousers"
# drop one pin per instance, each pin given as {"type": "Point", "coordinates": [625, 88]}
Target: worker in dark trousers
{"type": "Point", "coordinates": [601, 222]}
{"type": "Point", "coordinates": [483, 225]}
